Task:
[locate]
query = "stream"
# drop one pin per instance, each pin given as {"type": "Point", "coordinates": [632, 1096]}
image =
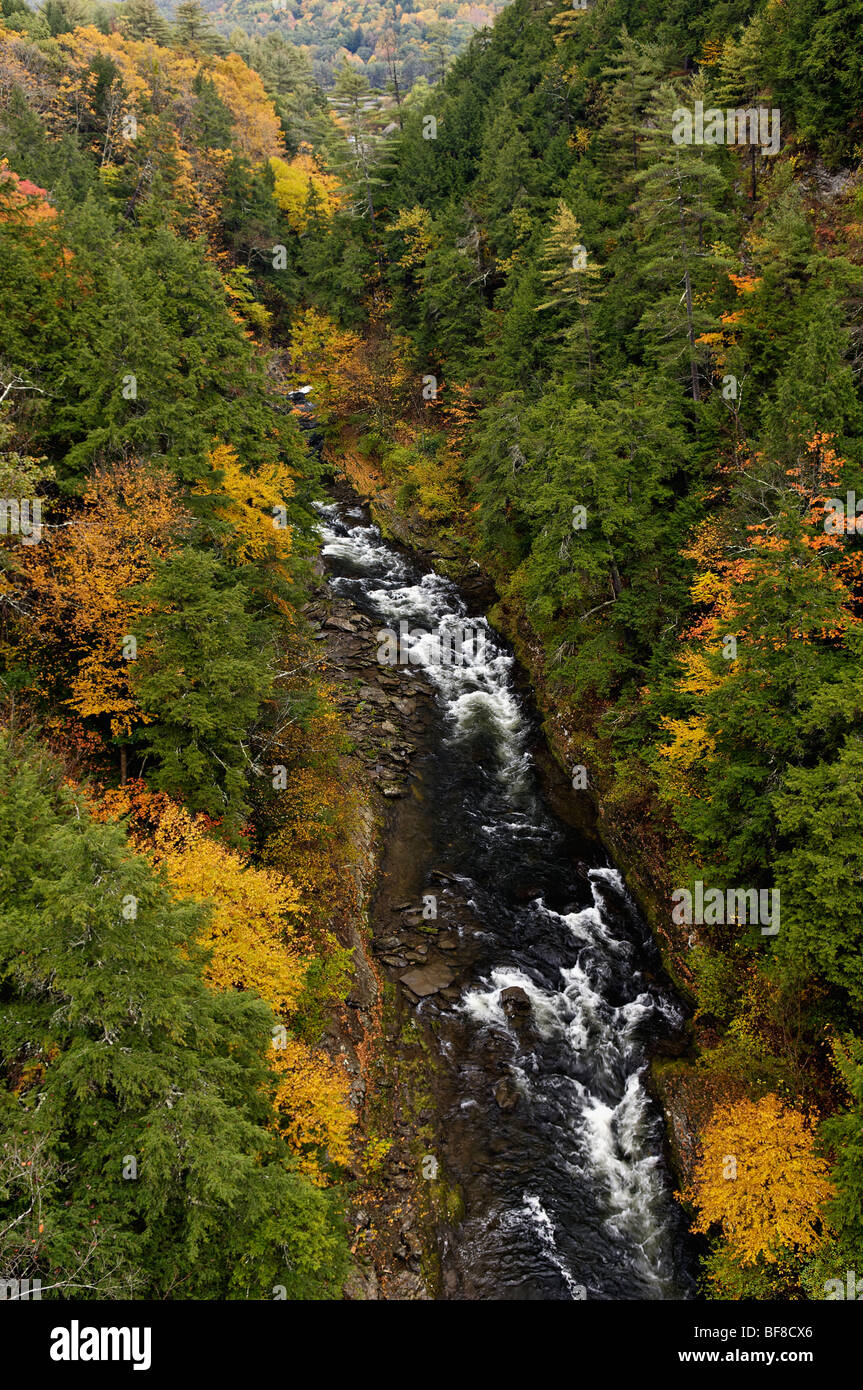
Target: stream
{"type": "Point", "coordinates": [566, 1189]}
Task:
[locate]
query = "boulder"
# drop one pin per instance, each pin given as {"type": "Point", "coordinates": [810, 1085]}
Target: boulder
{"type": "Point", "coordinates": [515, 1002]}
{"type": "Point", "coordinates": [427, 980]}
{"type": "Point", "coordinates": [506, 1093]}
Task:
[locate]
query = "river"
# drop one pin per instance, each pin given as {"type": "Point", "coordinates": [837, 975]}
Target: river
{"type": "Point", "coordinates": [566, 1190]}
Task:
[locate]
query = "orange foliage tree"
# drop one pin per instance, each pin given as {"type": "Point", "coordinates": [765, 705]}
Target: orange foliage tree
{"type": "Point", "coordinates": [78, 578]}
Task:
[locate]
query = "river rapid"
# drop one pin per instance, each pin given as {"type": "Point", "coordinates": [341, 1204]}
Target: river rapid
{"type": "Point", "coordinates": [566, 1190]}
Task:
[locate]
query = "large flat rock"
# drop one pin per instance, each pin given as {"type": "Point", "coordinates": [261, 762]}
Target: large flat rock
{"type": "Point", "coordinates": [428, 979]}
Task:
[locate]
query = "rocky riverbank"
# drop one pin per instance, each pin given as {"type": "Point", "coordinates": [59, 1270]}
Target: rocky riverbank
{"type": "Point", "coordinates": [399, 958]}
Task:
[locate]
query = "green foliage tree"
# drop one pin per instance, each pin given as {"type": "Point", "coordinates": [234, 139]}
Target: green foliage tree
{"type": "Point", "coordinates": [202, 672]}
{"type": "Point", "coordinates": [135, 1094]}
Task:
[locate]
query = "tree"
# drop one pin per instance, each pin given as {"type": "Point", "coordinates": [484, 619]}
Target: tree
{"type": "Point", "coordinates": [250, 937]}
{"type": "Point", "coordinates": [352, 98]}
{"type": "Point", "coordinates": [144, 1103]}
{"type": "Point", "coordinates": [760, 1180]}
{"type": "Point", "coordinates": [573, 277]}
{"type": "Point", "coordinates": [633, 75]}
{"type": "Point", "coordinates": [844, 1133]}
{"type": "Point", "coordinates": [140, 19]}
{"type": "Point", "coordinates": [214, 125]}
{"type": "Point", "coordinates": [678, 193]}
{"type": "Point", "coordinates": [78, 586]}
{"type": "Point", "coordinates": [740, 78]}
{"type": "Point", "coordinates": [202, 673]}
{"type": "Point", "coordinates": [820, 823]}
{"type": "Point", "coordinates": [194, 28]}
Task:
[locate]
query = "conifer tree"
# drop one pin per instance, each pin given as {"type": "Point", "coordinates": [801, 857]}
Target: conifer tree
{"type": "Point", "coordinates": [573, 277]}
{"type": "Point", "coordinates": [678, 219]}
{"type": "Point", "coordinates": [138, 1093]}
{"type": "Point", "coordinates": [201, 674]}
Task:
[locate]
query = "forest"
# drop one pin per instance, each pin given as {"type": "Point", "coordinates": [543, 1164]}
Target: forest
{"type": "Point", "coordinates": [387, 43]}
{"type": "Point", "coordinates": [583, 302]}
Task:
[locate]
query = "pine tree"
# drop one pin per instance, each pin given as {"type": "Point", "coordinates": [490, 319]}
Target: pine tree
{"type": "Point", "coordinates": [573, 277]}
{"type": "Point", "coordinates": [353, 99]}
{"type": "Point", "coordinates": [140, 19]}
{"type": "Point", "coordinates": [678, 219]}
{"type": "Point", "coordinates": [201, 675]}
{"type": "Point", "coordinates": [138, 1095]}
{"type": "Point", "coordinates": [740, 79]}
{"type": "Point", "coordinates": [632, 75]}
{"type": "Point", "coordinates": [193, 26]}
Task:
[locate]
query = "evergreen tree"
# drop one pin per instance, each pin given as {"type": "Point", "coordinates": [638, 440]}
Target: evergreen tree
{"type": "Point", "coordinates": [140, 19]}
{"type": "Point", "coordinates": [201, 676]}
{"type": "Point", "coordinates": [633, 74]}
{"type": "Point", "coordinates": [136, 1093]}
{"type": "Point", "coordinates": [678, 213]}
{"type": "Point", "coordinates": [573, 277]}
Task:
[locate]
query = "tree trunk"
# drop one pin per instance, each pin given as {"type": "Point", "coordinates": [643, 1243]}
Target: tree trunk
{"type": "Point", "coordinates": [616, 582]}
{"type": "Point", "coordinates": [690, 333]}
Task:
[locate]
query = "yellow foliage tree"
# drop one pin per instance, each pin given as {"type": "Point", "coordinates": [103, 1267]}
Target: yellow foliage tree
{"type": "Point", "coordinates": [251, 928]}
{"type": "Point", "coordinates": [252, 941]}
{"type": "Point", "coordinates": [760, 1179]}
{"type": "Point", "coordinates": [295, 180]}
{"type": "Point", "coordinates": [332, 360]}
{"type": "Point", "coordinates": [253, 506]}
{"type": "Point", "coordinates": [312, 1106]}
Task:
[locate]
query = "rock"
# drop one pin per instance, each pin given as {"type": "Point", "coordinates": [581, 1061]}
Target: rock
{"type": "Point", "coordinates": [515, 1002]}
{"type": "Point", "coordinates": [412, 1243]}
{"type": "Point", "coordinates": [427, 980]}
{"type": "Point", "coordinates": [388, 728]}
{"type": "Point", "coordinates": [447, 943]}
{"type": "Point", "coordinates": [506, 1094]}
{"type": "Point", "coordinates": [373, 695]}
{"type": "Point", "coordinates": [397, 962]}
{"type": "Point", "coordinates": [392, 791]}
{"type": "Point", "coordinates": [361, 1284]}
{"type": "Point", "coordinates": [341, 623]}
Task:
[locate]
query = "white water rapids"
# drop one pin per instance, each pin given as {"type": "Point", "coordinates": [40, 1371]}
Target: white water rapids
{"type": "Point", "coordinates": [568, 1196]}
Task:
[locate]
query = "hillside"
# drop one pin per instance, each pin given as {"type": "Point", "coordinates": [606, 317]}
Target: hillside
{"type": "Point", "coordinates": [378, 39]}
{"type": "Point", "coordinates": [581, 324]}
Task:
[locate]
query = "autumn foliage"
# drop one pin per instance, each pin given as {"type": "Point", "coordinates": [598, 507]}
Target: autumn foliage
{"type": "Point", "coordinates": [77, 586]}
{"type": "Point", "coordinates": [760, 1180]}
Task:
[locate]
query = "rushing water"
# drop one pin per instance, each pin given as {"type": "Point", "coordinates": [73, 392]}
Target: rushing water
{"type": "Point", "coordinates": [567, 1195]}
